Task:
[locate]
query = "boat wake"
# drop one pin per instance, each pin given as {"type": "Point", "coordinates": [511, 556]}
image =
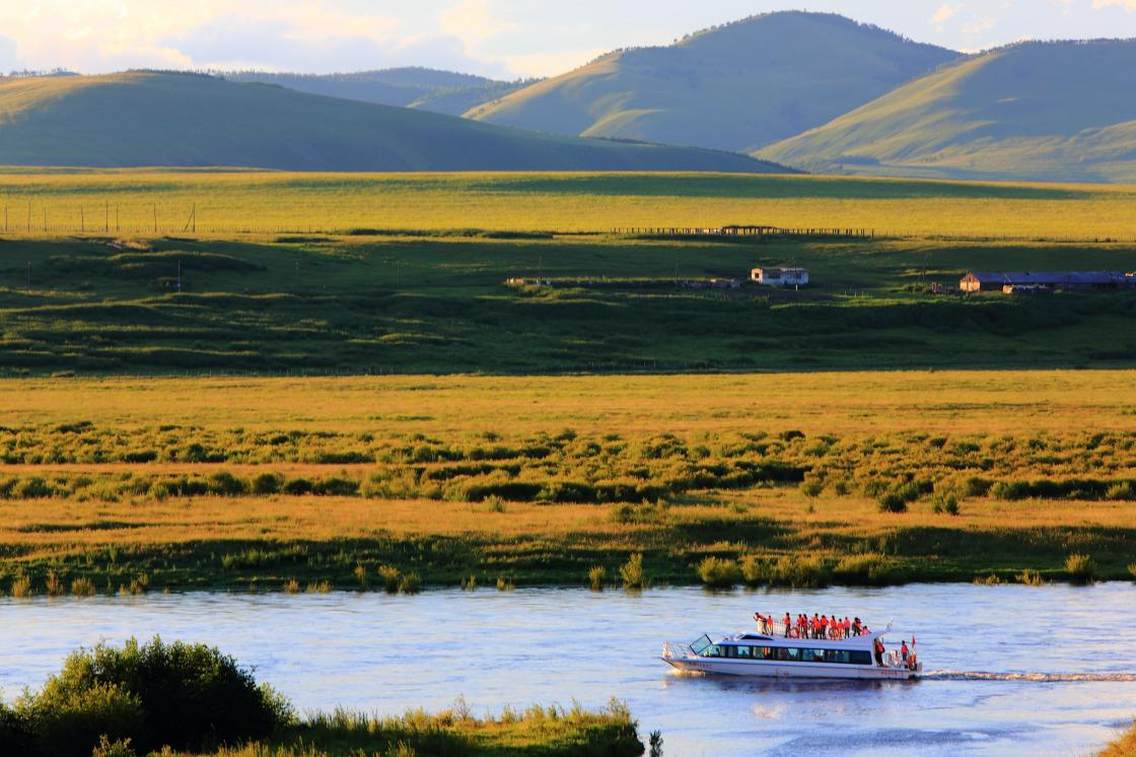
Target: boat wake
{"type": "Point", "coordinates": [978, 675]}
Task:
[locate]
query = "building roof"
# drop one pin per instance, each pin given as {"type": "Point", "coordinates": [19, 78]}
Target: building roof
{"type": "Point", "coordinates": [1051, 278]}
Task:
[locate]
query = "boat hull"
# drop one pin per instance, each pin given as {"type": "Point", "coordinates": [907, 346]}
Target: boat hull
{"type": "Point", "coordinates": [767, 669]}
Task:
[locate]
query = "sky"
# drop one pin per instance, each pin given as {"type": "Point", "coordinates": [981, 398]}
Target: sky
{"type": "Point", "coordinates": [500, 38]}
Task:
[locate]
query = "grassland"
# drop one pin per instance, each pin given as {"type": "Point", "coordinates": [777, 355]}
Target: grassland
{"type": "Point", "coordinates": [232, 203]}
{"type": "Point", "coordinates": [424, 303]}
{"type": "Point", "coordinates": [271, 484]}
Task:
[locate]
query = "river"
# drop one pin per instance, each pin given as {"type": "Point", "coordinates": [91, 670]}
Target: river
{"type": "Point", "coordinates": [1013, 669]}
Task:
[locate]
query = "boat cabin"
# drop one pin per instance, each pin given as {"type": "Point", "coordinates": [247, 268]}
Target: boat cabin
{"type": "Point", "coordinates": [750, 647]}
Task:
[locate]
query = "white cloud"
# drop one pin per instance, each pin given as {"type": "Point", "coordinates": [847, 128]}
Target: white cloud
{"type": "Point", "coordinates": [945, 13]}
{"type": "Point", "coordinates": [1128, 5]}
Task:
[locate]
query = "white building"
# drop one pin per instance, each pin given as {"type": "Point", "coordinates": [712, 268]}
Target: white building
{"type": "Point", "coordinates": [780, 277]}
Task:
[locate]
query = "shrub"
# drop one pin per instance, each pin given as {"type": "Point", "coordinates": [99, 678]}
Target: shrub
{"type": "Point", "coordinates": [891, 502]}
{"type": "Point", "coordinates": [788, 570]}
{"type": "Point", "coordinates": [21, 586]}
{"type": "Point", "coordinates": [1030, 578]}
{"type": "Point", "coordinates": [718, 572]}
{"type": "Point", "coordinates": [67, 717]}
{"type": "Point", "coordinates": [812, 487]}
{"type": "Point", "coordinates": [116, 748]}
{"type": "Point", "coordinates": [391, 578]}
{"type": "Point", "coordinates": [1123, 490]}
{"type": "Point", "coordinates": [336, 486]}
{"type": "Point", "coordinates": [1010, 490]}
{"type": "Point", "coordinates": [292, 586]}
{"type": "Point", "coordinates": [1132, 570]}
{"type": "Point", "coordinates": [83, 587]}
{"type": "Point", "coordinates": [631, 572]}
{"type": "Point", "coordinates": [870, 568]}
{"type": "Point", "coordinates": [190, 697]}
{"type": "Point", "coordinates": [225, 484]}
{"type": "Point", "coordinates": [1080, 568]}
{"type": "Point", "coordinates": [298, 486]}
{"type": "Point", "coordinates": [410, 584]}
{"type": "Point", "coordinates": [598, 573]}
{"type": "Point", "coordinates": [945, 503]}
{"type": "Point", "coordinates": [266, 483]}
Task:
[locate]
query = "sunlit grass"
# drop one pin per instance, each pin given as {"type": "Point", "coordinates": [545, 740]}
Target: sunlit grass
{"type": "Point", "coordinates": [127, 201]}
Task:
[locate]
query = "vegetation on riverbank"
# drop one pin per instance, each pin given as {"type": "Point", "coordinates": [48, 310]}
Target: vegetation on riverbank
{"type": "Point", "coordinates": [323, 491]}
{"type": "Point", "coordinates": [183, 698]}
{"type": "Point", "coordinates": [1125, 746]}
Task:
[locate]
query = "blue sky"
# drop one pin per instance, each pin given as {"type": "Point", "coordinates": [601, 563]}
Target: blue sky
{"type": "Point", "coordinates": [503, 38]}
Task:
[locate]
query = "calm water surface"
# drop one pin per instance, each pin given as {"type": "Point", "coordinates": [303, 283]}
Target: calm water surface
{"type": "Point", "coordinates": [1021, 670]}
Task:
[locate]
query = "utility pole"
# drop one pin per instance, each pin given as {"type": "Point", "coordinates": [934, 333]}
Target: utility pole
{"type": "Point", "coordinates": [106, 216]}
{"type": "Point", "coordinates": [82, 221]}
{"type": "Point", "coordinates": [45, 220]}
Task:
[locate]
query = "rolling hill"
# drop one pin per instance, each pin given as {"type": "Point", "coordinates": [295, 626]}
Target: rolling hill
{"type": "Point", "coordinates": [166, 119]}
{"type": "Point", "coordinates": [429, 89]}
{"type": "Point", "coordinates": [1061, 111]}
{"type": "Point", "coordinates": [735, 87]}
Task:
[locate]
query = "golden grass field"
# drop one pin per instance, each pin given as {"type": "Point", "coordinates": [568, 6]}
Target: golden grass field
{"type": "Point", "coordinates": [990, 402]}
{"type": "Point", "coordinates": [434, 440]}
{"type": "Point", "coordinates": [251, 202]}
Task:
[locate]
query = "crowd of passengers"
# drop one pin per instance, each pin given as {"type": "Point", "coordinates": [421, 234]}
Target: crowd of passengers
{"type": "Point", "coordinates": [816, 627]}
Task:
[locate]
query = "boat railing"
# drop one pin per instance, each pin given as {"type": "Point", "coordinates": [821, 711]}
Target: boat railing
{"type": "Point", "coordinates": [676, 649]}
{"type": "Point", "coordinates": [776, 629]}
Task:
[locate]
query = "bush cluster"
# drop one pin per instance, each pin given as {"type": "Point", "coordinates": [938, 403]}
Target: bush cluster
{"type": "Point", "coordinates": [186, 696]}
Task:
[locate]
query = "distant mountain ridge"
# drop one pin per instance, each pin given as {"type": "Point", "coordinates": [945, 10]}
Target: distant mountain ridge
{"type": "Point", "coordinates": [735, 87]}
{"type": "Point", "coordinates": [145, 118]}
{"type": "Point", "coordinates": [430, 89]}
{"type": "Point", "coordinates": [1061, 111]}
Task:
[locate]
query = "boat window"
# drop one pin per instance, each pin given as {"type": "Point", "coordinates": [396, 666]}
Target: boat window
{"type": "Point", "coordinates": [744, 652]}
{"type": "Point", "coordinates": [699, 646]}
{"type": "Point", "coordinates": [812, 655]}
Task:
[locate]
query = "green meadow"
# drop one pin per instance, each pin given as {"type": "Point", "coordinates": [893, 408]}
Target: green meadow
{"type": "Point", "coordinates": [438, 304]}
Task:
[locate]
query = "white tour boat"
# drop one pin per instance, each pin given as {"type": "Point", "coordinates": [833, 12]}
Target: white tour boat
{"type": "Point", "coordinates": [773, 653]}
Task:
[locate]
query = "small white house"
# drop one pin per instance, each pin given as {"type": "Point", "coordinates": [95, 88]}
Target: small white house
{"type": "Point", "coordinates": [780, 277]}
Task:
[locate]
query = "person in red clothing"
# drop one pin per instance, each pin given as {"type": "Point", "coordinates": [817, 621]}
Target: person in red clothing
{"type": "Point", "coordinates": [787, 625]}
{"type": "Point", "coordinates": [903, 650]}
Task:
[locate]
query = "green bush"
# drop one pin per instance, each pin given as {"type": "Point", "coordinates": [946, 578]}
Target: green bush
{"type": "Point", "coordinates": [598, 573]}
{"type": "Point", "coordinates": [1080, 568]}
{"type": "Point", "coordinates": [66, 718]}
{"type": "Point", "coordinates": [391, 578]}
{"type": "Point", "coordinates": [892, 502]}
{"type": "Point", "coordinates": [188, 696]}
{"type": "Point", "coordinates": [631, 572]}
{"type": "Point", "coordinates": [787, 570]}
{"type": "Point", "coordinates": [1010, 490]}
{"type": "Point", "coordinates": [410, 583]}
{"type": "Point", "coordinates": [718, 572]}
{"type": "Point", "coordinates": [945, 503]}
{"type": "Point", "coordinates": [868, 569]}
{"type": "Point", "coordinates": [266, 483]}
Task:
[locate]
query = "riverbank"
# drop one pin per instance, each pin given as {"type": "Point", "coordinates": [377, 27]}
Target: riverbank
{"type": "Point", "coordinates": [190, 698]}
{"type": "Point", "coordinates": [128, 486]}
{"type": "Point", "coordinates": [1125, 746]}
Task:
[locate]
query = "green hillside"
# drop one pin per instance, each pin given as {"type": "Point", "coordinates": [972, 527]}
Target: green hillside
{"type": "Point", "coordinates": [736, 87]}
{"type": "Point", "coordinates": [429, 89]}
{"type": "Point", "coordinates": [164, 119]}
{"type": "Point", "coordinates": [1052, 111]}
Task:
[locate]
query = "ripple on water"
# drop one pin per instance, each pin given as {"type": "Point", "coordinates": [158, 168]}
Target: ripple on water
{"type": "Point", "coordinates": [1014, 671]}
